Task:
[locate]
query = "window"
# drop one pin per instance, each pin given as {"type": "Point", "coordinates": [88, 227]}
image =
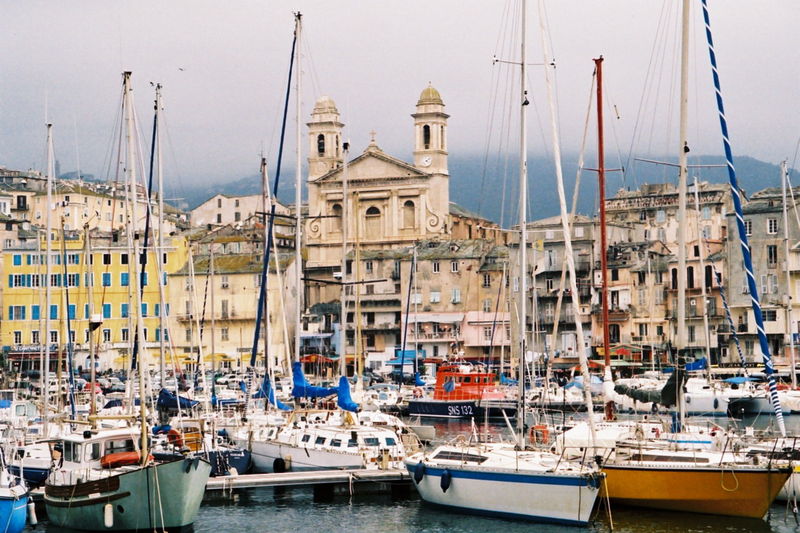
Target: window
{"type": "Point", "coordinates": [436, 297]}
{"type": "Point", "coordinates": [35, 337]}
{"type": "Point", "coordinates": [237, 216]}
{"type": "Point", "coordinates": [409, 214]}
{"type": "Point", "coordinates": [54, 312]}
{"type": "Point", "coordinates": [16, 312]}
{"type": "Point", "coordinates": [426, 136]}
{"type": "Point", "coordinates": [144, 279]}
{"type": "Point", "coordinates": [106, 279]}
{"type": "Point", "coordinates": [219, 203]}
{"type": "Point", "coordinates": [772, 256]}
{"type": "Point", "coordinates": [123, 259]}
{"type": "Point", "coordinates": [487, 333]}
{"type": "Point", "coordinates": [223, 332]}
{"type": "Point", "coordinates": [107, 310]}
{"type": "Point", "coordinates": [487, 305]}
{"type": "Point", "coordinates": [368, 266]}
{"type": "Point", "coordinates": [661, 215]}
{"type": "Point", "coordinates": [106, 335]}
{"type": "Point", "coordinates": [487, 280]}
{"type": "Point", "coordinates": [642, 215]}
{"type": "Point", "coordinates": [71, 310]}
{"type": "Point", "coordinates": [54, 336]}
{"type": "Point", "coordinates": [748, 227]}
{"type": "Point", "coordinates": [144, 309]}
{"type": "Point", "coordinates": [17, 337]}
{"type": "Point", "coordinates": [643, 330]}
{"type": "Point", "coordinates": [35, 315]}
{"type": "Point", "coordinates": [73, 280]}
{"type": "Point", "coordinates": [549, 284]}
{"type": "Point", "coordinates": [123, 310]}
{"type": "Point", "coordinates": [17, 260]}
{"type": "Point", "coordinates": [225, 282]}
{"type": "Point", "coordinates": [453, 266]}
{"type": "Point", "coordinates": [692, 334]}
{"type": "Point", "coordinates": [416, 298]}
{"type": "Point", "coordinates": [225, 312]}
{"type": "Point", "coordinates": [706, 213]}
{"type": "Point", "coordinates": [690, 277]}
{"type": "Point", "coordinates": [770, 315]}
{"type": "Point", "coordinates": [455, 296]}
{"type": "Point", "coordinates": [188, 334]}
{"type": "Point", "coordinates": [106, 259]}
{"type": "Point", "coordinates": [435, 266]}
{"type": "Point", "coordinates": [772, 226]}
{"type": "Point", "coordinates": [219, 218]}
{"type": "Point", "coordinates": [579, 231]}
{"type": "Point", "coordinates": [614, 274]}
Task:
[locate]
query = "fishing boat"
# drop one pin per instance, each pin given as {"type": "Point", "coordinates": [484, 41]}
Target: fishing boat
{"type": "Point", "coordinates": [103, 484]}
{"type": "Point", "coordinates": [462, 391]}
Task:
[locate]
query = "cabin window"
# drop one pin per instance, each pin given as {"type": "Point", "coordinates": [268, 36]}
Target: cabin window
{"type": "Point", "coordinates": [390, 441]}
{"type": "Point", "coordinates": [372, 441]}
{"type": "Point", "coordinates": [352, 443]}
{"type": "Point", "coordinates": [93, 452]}
{"type": "Point", "coordinates": [320, 441]}
{"type": "Point", "coordinates": [114, 446]}
{"type": "Point", "coordinates": [467, 379]}
{"type": "Point", "coordinates": [305, 438]}
{"type": "Point", "coordinates": [337, 443]}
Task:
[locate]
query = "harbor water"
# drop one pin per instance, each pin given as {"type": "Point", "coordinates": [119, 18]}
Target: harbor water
{"type": "Point", "coordinates": [297, 510]}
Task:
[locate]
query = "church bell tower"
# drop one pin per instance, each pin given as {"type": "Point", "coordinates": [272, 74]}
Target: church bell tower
{"type": "Point", "coordinates": [325, 138]}
{"type": "Point", "coordinates": [430, 132]}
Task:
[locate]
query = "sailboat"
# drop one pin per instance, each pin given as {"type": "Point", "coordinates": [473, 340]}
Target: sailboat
{"type": "Point", "coordinates": [647, 468]}
{"type": "Point", "coordinates": [505, 479]}
{"type": "Point", "coordinates": [14, 497]}
{"type": "Point", "coordinates": [107, 479]}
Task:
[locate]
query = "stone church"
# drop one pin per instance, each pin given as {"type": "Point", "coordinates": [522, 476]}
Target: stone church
{"type": "Point", "coordinates": [390, 203]}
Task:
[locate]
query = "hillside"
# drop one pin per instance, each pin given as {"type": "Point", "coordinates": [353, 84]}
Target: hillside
{"type": "Point", "coordinates": [482, 192]}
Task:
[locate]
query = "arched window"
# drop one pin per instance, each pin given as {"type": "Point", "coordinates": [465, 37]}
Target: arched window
{"type": "Point", "coordinates": [409, 215]}
{"type": "Point", "coordinates": [373, 222]}
{"type": "Point", "coordinates": [441, 138]}
{"type": "Point", "coordinates": [336, 212]}
{"type": "Point", "coordinates": [709, 276]}
{"type": "Point", "coordinates": [674, 278]}
{"type": "Point", "coordinates": [689, 277]}
{"type": "Point", "coordinates": [613, 333]}
{"type": "Point", "coordinates": [426, 136]}
{"type": "Point", "coordinates": [320, 145]}
{"type": "Point", "coordinates": [337, 146]}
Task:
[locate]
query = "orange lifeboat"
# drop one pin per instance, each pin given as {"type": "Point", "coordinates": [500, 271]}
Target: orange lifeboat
{"type": "Point", "coordinates": [113, 460]}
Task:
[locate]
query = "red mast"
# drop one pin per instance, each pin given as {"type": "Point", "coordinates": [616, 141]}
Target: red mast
{"type": "Point", "coordinates": [601, 178]}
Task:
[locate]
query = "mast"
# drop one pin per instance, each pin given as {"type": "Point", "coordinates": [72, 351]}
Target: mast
{"type": "Point", "coordinates": [47, 291]}
{"type": "Point", "coordinates": [683, 148]}
{"type": "Point", "coordinates": [213, 311]}
{"type": "Point", "coordinates": [298, 259]}
{"type": "Point", "coordinates": [703, 288]}
{"type": "Point", "coordinates": [160, 249]}
{"type": "Point", "coordinates": [789, 328]}
{"type": "Point", "coordinates": [523, 238]}
{"type": "Point", "coordinates": [601, 178]}
{"type": "Point", "coordinates": [93, 322]}
{"type": "Point", "coordinates": [343, 303]}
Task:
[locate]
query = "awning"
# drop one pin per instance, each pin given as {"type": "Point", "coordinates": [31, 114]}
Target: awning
{"type": "Point", "coordinates": [315, 358]}
{"type": "Point", "coordinates": [315, 335]}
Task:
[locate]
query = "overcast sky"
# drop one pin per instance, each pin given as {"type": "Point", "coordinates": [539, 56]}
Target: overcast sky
{"type": "Point", "coordinates": [223, 66]}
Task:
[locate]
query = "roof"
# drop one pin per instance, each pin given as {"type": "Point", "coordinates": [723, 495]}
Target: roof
{"type": "Point", "coordinates": [461, 211]}
{"type": "Point", "coordinates": [375, 152]}
{"type": "Point", "coordinates": [233, 264]}
{"type": "Point", "coordinates": [429, 95]}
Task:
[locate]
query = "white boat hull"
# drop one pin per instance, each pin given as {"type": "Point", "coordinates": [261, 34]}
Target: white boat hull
{"type": "Point", "coordinates": [267, 457]}
{"type": "Point", "coordinates": [541, 497]}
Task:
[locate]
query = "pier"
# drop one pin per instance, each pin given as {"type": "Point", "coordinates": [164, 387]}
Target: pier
{"type": "Point", "coordinates": [328, 482]}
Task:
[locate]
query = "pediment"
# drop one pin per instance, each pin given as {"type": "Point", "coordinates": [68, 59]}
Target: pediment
{"type": "Point", "coordinates": [373, 164]}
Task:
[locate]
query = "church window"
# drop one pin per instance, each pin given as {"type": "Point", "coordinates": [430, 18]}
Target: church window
{"type": "Point", "coordinates": [321, 145]}
{"type": "Point", "coordinates": [441, 137]}
{"type": "Point", "coordinates": [409, 215]}
{"type": "Point", "coordinates": [373, 222]}
{"type": "Point", "coordinates": [426, 136]}
{"type": "Point", "coordinates": [337, 146]}
{"type": "Point", "coordinates": [336, 211]}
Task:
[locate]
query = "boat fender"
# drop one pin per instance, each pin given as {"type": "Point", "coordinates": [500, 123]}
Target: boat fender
{"type": "Point", "coordinates": [446, 479]}
{"type": "Point", "coordinates": [654, 407]}
{"type": "Point", "coordinates": [279, 465]}
{"type": "Point", "coordinates": [108, 515]}
{"type": "Point", "coordinates": [175, 438]}
{"type": "Point", "coordinates": [688, 399]}
{"type": "Point", "coordinates": [419, 472]}
{"type": "Point", "coordinates": [32, 520]}
{"type": "Point", "coordinates": [716, 403]}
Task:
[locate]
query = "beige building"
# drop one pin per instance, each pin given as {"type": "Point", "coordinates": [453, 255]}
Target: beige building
{"type": "Point", "coordinates": [235, 284]}
{"type": "Point", "coordinates": [223, 209]}
{"type": "Point", "coordinates": [390, 203]}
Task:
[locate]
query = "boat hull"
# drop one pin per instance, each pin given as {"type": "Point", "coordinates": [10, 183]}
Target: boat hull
{"type": "Point", "coordinates": [541, 497]}
{"type": "Point", "coordinates": [164, 495]}
{"type": "Point", "coordinates": [719, 491]}
{"type": "Point", "coordinates": [272, 456]}
{"type": "Point", "coordinates": [13, 512]}
{"type": "Point", "coordinates": [34, 477]}
{"type": "Point", "coordinates": [444, 408]}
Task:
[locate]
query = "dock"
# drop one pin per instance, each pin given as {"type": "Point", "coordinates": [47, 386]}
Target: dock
{"type": "Point", "coordinates": [323, 482]}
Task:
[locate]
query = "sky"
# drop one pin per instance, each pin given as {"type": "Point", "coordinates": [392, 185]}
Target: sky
{"type": "Point", "coordinates": [223, 66]}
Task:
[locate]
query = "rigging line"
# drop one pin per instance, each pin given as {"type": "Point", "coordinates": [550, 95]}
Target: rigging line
{"type": "Point", "coordinates": [643, 99]}
{"type": "Point", "coordinates": [504, 156]}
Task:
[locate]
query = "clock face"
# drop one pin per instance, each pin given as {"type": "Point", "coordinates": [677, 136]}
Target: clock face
{"type": "Point", "coordinates": [426, 161]}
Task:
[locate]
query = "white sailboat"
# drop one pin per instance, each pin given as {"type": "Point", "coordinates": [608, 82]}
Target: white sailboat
{"type": "Point", "coordinates": [505, 479]}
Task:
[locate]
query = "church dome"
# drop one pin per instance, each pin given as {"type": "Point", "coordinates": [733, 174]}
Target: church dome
{"type": "Point", "coordinates": [325, 104]}
{"type": "Point", "coordinates": [430, 95]}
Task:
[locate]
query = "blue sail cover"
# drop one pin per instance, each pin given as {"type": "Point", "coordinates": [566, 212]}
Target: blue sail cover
{"type": "Point", "coordinates": [344, 400]}
{"type": "Point", "coordinates": [167, 400]}
{"type": "Point", "coordinates": [266, 391]}
{"type": "Point", "coordinates": [418, 380]}
{"type": "Point", "coordinates": [303, 389]}
{"type": "Point", "coordinates": [699, 364]}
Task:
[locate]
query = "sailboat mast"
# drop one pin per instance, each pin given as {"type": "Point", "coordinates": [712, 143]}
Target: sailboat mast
{"type": "Point", "coordinates": [789, 327]}
{"type": "Point", "coordinates": [683, 150]}
{"type": "Point", "coordinates": [523, 237]}
{"type": "Point", "coordinates": [703, 287]}
{"type": "Point", "coordinates": [213, 311]}
{"type": "Point", "coordinates": [45, 373]}
{"type": "Point", "coordinates": [343, 303]}
{"type": "Point", "coordinates": [160, 252]}
{"type": "Point", "coordinates": [298, 259]}
{"type": "Point", "coordinates": [601, 178]}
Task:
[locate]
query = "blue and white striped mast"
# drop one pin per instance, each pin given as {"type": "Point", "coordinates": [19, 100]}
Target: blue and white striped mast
{"type": "Point", "coordinates": [769, 368]}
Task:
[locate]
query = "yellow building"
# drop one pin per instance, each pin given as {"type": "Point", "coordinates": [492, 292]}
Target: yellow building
{"type": "Point", "coordinates": [110, 271]}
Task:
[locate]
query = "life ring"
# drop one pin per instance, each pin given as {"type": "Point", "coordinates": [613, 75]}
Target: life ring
{"type": "Point", "coordinates": [417, 393]}
{"type": "Point", "coordinates": [175, 438]}
{"type": "Point", "coordinates": [113, 460]}
{"type": "Point", "coordinates": [540, 433]}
